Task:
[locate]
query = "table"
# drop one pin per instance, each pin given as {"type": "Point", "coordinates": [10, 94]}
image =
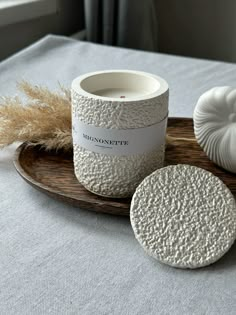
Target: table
{"type": "Point", "coordinates": [56, 259]}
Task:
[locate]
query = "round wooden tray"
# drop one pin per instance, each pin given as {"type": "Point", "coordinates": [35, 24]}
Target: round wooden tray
{"type": "Point", "coordinates": [53, 173]}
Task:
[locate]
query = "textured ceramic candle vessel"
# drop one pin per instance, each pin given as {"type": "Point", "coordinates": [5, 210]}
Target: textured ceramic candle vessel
{"type": "Point", "coordinates": [215, 125]}
{"type": "Point", "coordinates": [119, 125]}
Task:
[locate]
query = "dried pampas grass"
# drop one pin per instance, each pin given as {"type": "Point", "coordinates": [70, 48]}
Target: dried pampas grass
{"type": "Point", "coordinates": [45, 120]}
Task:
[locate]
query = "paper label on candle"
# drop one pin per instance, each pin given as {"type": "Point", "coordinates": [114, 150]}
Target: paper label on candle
{"type": "Point", "coordinates": [118, 141]}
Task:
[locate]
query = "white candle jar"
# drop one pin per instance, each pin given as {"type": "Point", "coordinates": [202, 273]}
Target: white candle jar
{"type": "Point", "coordinates": [118, 125]}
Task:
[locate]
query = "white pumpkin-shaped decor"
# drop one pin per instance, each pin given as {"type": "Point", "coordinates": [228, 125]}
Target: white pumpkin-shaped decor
{"type": "Point", "coordinates": [215, 125]}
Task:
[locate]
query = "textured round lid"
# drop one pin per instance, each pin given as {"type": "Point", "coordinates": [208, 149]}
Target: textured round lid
{"type": "Point", "coordinates": [184, 216]}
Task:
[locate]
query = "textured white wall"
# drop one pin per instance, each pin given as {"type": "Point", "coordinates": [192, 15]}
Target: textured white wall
{"type": "Point", "coordinates": [69, 19]}
{"type": "Point", "coordinates": [199, 28]}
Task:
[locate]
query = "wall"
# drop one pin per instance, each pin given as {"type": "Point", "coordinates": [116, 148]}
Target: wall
{"type": "Point", "coordinates": [198, 28]}
{"type": "Point", "coordinates": [68, 20]}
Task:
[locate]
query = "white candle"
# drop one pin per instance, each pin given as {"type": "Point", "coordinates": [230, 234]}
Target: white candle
{"type": "Point", "coordinates": [119, 85]}
{"type": "Point", "coordinates": [119, 124]}
{"type": "Point", "coordinates": [120, 93]}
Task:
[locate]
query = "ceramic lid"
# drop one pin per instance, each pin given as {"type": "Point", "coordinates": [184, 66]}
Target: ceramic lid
{"type": "Point", "coordinates": [184, 216]}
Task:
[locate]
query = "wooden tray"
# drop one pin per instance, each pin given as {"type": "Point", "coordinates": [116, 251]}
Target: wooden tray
{"type": "Point", "coordinates": [53, 173]}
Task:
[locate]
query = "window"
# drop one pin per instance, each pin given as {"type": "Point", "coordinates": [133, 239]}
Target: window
{"type": "Point", "coordinates": [14, 11]}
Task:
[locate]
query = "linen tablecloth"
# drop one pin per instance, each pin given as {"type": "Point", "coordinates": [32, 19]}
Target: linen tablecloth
{"type": "Point", "coordinates": [56, 259]}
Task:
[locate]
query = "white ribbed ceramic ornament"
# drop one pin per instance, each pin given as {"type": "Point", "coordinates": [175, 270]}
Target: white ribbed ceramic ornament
{"type": "Point", "coordinates": [184, 216]}
{"type": "Point", "coordinates": [119, 125]}
{"type": "Point", "coordinates": [215, 126]}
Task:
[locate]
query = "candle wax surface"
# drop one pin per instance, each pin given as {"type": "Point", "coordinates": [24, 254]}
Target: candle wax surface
{"type": "Point", "coordinates": [120, 93]}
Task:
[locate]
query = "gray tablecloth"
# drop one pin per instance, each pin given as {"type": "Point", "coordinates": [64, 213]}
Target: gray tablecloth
{"type": "Point", "coordinates": [56, 259]}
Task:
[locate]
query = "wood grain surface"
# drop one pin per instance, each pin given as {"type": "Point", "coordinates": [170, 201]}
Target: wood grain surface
{"type": "Point", "coordinates": [53, 173]}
